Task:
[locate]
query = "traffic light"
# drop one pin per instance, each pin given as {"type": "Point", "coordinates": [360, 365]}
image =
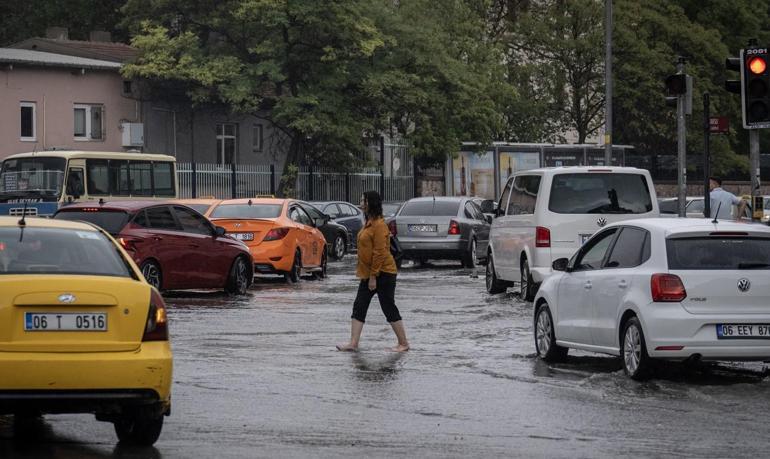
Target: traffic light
{"type": "Point", "coordinates": [755, 88]}
{"type": "Point", "coordinates": [734, 64]}
{"type": "Point", "coordinates": [679, 84]}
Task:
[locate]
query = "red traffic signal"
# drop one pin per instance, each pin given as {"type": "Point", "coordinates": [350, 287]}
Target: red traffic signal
{"type": "Point", "coordinates": [757, 65]}
{"type": "Point", "coordinates": [755, 88]}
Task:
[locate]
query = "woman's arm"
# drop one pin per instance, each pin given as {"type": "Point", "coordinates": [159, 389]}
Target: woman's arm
{"type": "Point", "coordinates": [380, 247]}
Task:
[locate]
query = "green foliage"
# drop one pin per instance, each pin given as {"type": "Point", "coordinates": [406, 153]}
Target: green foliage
{"type": "Point", "coordinates": [288, 184]}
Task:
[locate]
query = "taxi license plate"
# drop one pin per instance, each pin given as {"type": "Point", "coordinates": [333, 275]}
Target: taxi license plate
{"type": "Point", "coordinates": [65, 321]}
{"type": "Point", "coordinates": [743, 331]}
{"type": "Point", "coordinates": [584, 238]}
{"type": "Point", "coordinates": [423, 228]}
{"type": "Point", "coordinates": [244, 236]}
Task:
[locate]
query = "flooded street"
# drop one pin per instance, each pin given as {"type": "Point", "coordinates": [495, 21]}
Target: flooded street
{"type": "Point", "coordinates": [259, 377]}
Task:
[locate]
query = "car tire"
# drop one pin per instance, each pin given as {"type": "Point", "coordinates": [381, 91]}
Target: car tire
{"type": "Point", "coordinates": [528, 286]}
{"type": "Point", "coordinates": [633, 351]}
{"type": "Point", "coordinates": [494, 285]}
{"type": "Point", "coordinates": [152, 273]}
{"type": "Point", "coordinates": [239, 279]}
{"type": "Point", "coordinates": [338, 249]}
{"type": "Point", "coordinates": [545, 336]}
{"type": "Point", "coordinates": [138, 430]}
{"type": "Point", "coordinates": [322, 273]}
{"type": "Point", "coordinates": [470, 258]}
{"type": "Point", "coordinates": [293, 276]}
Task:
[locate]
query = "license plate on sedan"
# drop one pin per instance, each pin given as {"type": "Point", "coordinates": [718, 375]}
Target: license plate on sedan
{"type": "Point", "coordinates": [65, 321]}
{"type": "Point", "coordinates": [743, 331]}
{"type": "Point", "coordinates": [243, 236]}
{"type": "Point", "coordinates": [423, 228]}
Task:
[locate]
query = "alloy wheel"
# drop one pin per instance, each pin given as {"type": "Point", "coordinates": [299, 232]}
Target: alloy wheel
{"type": "Point", "coordinates": [632, 349]}
{"type": "Point", "coordinates": [489, 273]}
{"type": "Point", "coordinates": [474, 257]}
{"type": "Point", "coordinates": [524, 279]}
{"type": "Point", "coordinates": [543, 333]}
{"type": "Point", "coordinates": [151, 273]}
{"type": "Point", "coordinates": [339, 247]}
{"type": "Point", "coordinates": [242, 276]}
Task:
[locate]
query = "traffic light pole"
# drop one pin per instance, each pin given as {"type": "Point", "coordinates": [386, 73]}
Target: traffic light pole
{"type": "Point", "coordinates": [754, 160]}
{"type": "Point", "coordinates": [681, 133]}
{"type": "Point", "coordinates": [706, 155]}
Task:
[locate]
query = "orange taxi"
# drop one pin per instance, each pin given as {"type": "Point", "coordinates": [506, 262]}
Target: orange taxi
{"type": "Point", "coordinates": [201, 205]}
{"type": "Point", "coordinates": [282, 237]}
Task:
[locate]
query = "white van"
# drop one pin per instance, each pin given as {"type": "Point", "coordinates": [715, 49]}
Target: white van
{"type": "Point", "coordinates": [546, 214]}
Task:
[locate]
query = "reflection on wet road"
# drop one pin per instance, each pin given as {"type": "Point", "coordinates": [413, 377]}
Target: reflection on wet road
{"type": "Point", "coordinates": [259, 377]}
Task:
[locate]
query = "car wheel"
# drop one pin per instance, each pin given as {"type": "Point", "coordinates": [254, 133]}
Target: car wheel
{"type": "Point", "coordinates": [239, 279]}
{"type": "Point", "coordinates": [338, 247]}
{"type": "Point", "coordinates": [293, 275]}
{"type": "Point", "coordinates": [528, 286]}
{"type": "Point", "coordinates": [470, 259]}
{"type": "Point", "coordinates": [152, 273]}
{"type": "Point", "coordinates": [139, 430]}
{"type": "Point", "coordinates": [322, 273]}
{"type": "Point", "coordinates": [636, 362]}
{"type": "Point", "coordinates": [494, 285]}
{"type": "Point", "coordinates": [545, 337]}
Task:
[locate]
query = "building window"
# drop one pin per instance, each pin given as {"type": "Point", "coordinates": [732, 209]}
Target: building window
{"type": "Point", "coordinates": [28, 126]}
{"type": "Point", "coordinates": [227, 141]}
{"type": "Point", "coordinates": [89, 122]}
{"type": "Point", "coordinates": [257, 138]}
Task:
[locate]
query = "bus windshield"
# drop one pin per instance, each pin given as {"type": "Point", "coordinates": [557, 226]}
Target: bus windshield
{"type": "Point", "coordinates": [33, 177]}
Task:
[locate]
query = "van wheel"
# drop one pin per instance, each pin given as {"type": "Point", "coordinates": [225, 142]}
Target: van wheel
{"type": "Point", "coordinates": [636, 362]}
{"type": "Point", "coordinates": [152, 274]}
{"type": "Point", "coordinates": [139, 430]}
{"type": "Point", "coordinates": [528, 286]}
{"type": "Point", "coordinates": [494, 285]}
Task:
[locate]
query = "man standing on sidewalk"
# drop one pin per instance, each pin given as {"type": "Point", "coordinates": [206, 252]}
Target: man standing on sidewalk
{"type": "Point", "coordinates": [723, 201]}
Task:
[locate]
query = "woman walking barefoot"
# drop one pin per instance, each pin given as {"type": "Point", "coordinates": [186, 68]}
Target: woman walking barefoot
{"type": "Point", "coordinates": [376, 270]}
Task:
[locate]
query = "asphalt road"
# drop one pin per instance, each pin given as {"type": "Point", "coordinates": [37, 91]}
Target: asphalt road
{"type": "Point", "coordinates": [259, 376]}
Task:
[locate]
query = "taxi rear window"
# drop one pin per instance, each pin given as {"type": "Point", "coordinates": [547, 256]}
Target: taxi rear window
{"type": "Point", "coordinates": [59, 251]}
{"type": "Point", "coordinates": [247, 211]}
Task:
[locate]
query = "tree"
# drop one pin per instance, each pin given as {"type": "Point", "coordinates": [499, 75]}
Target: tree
{"type": "Point", "coordinates": [329, 74]}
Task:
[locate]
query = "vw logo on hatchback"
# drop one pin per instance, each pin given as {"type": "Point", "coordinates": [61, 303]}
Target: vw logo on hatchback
{"type": "Point", "coordinates": [601, 221]}
{"type": "Point", "coordinates": [744, 285]}
{"type": "Point", "coordinates": [66, 298]}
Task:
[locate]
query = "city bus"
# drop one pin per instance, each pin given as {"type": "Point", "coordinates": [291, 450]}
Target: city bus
{"type": "Point", "coordinates": [41, 182]}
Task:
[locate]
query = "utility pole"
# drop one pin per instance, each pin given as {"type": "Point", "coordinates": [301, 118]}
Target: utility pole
{"type": "Point", "coordinates": [706, 154]}
{"type": "Point", "coordinates": [754, 160]}
{"type": "Point", "coordinates": [608, 83]}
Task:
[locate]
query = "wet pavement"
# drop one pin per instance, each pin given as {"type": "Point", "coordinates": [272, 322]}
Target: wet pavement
{"type": "Point", "coordinates": [259, 376]}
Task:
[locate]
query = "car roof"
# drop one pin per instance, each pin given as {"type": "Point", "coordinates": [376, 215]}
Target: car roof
{"type": "Point", "coordinates": [673, 226]}
{"type": "Point", "coordinates": [197, 201]}
{"type": "Point", "coordinates": [582, 169]}
{"type": "Point", "coordinates": [255, 201]}
{"type": "Point", "coordinates": [38, 222]}
{"type": "Point", "coordinates": [128, 205]}
{"type": "Point", "coordinates": [440, 198]}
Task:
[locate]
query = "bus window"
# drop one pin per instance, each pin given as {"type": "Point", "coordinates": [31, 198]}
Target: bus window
{"type": "Point", "coordinates": [141, 178]}
{"type": "Point", "coordinates": [119, 180]}
{"type": "Point", "coordinates": [97, 177]}
{"type": "Point", "coordinates": [164, 179]}
{"type": "Point", "coordinates": [74, 185]}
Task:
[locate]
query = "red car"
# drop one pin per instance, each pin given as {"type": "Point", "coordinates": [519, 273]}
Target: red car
{"type": "Point", "coordinates": [174, 246]}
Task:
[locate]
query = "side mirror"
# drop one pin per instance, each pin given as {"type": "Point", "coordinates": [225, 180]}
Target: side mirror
{"type": "Point", "coordinates": [488, 218]}
{"type": "Point", "coordinates": [319, 222]}
{"type": "Point", "coordinates": [219, 231]}
{"type": "Point", "coordinates": [327, 218]}
{"type": "Point", "coordinates": [560, 264]}
{"type": "Point", "coordinates": [488, 206]}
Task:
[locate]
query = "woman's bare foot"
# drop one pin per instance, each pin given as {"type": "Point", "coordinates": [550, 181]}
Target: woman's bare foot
{"type": "Point", "coordinates": [400, 348]}
{"type": "Point", "coordinates": [347, 347]}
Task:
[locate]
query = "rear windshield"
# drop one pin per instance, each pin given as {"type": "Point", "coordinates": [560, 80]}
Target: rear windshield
{"type": "Point", "coordinates": [600, 193]}
{"type": "Point", "coordinates": [718, 253]}
{"type": "Point", "coordinates": [247, 211]}
{"type": "Point", "coordinates": [111, 221]}
{"type": "Point", "coordinates": [59, 251]}
{"type": "Point", "coordinates": [200, 208]}
{"type": "Point", "coordinates": [436, 208]}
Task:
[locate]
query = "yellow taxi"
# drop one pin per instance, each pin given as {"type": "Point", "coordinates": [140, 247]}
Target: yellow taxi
{"type": "Point", "coordinates": [281, 235]}
{"type": "Point", "coordinates": [202, 205]}
{"type": "Point", "coordinates": [81, 331]}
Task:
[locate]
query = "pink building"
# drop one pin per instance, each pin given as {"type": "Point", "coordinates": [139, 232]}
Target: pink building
{"type": "Point", "coordinates": [50, 100]}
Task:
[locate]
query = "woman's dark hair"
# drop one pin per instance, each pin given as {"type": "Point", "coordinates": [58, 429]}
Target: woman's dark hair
{"type": "Point", "coordinates": [373, 204]}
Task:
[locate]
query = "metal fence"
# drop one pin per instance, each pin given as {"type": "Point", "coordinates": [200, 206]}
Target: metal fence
{"type": "Point", "coordinates": [315, 184]}
{"type": "Point", "coordinates": [225, 181]}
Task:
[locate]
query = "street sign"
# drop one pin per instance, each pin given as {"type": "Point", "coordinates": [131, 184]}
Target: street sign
{"type": "Point", "coordinates": [719, 125]}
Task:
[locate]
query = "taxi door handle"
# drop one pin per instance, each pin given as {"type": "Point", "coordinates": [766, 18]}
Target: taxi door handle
{"type": "Point", "coordinates": [587, 285]}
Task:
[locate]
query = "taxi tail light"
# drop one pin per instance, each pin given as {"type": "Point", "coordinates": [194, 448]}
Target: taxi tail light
{"type": "Point", "coordinates": [276, 234]}
{"type": "Point", "coordinates": [454, 227]}
{"type": "Point", "coordinates": [667, 288]}
{"type": "Point", "coordinates": [542, 237]}
{"type": "Point", "coordinates": [393, 228]}
{"type": "Point", "coordinates": [156, 328]}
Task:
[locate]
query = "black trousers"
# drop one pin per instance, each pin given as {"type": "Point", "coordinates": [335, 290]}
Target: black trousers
{"type": "Point", "coordinates": [386, 292]}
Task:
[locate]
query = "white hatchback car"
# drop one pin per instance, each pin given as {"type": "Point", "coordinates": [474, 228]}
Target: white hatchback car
{"type": "Point", "coordinates": [545, 214]}
{"type": "Point", "coordinates": [660, 288]}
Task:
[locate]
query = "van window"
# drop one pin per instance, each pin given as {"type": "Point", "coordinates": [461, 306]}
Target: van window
{"type": "Point", "coordinates": [503, 203]}
{"type": "Point", "coordinates": [523, 195]}
{"type": "Point", "coordinates": [600, 193]}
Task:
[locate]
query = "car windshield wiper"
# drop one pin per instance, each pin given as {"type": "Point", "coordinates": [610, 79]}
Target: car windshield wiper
{"type": "Point", "coordinates": [753, 265]}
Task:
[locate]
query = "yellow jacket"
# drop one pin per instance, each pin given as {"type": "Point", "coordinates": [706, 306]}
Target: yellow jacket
{"type": "Point", "coordinates": [374, 250]}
